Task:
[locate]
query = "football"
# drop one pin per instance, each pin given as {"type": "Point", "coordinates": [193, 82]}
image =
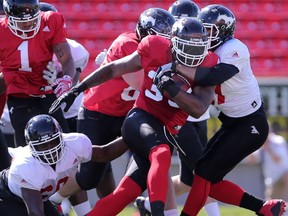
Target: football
{"type": "Point", "coordinates": [181, 82]}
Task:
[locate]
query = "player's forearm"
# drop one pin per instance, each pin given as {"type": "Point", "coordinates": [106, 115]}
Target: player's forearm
{"type": "Point", "coordinates": [109, 152]}
{"type": "Point", "coordinates": [215, 75]}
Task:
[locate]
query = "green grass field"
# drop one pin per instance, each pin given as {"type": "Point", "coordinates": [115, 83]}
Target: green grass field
{"type": "Point", "coordinates": [225, 210]}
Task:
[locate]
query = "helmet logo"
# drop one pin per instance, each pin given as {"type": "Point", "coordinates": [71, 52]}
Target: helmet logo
{"type": "Point", "coordinates": [226, 19]}
{"type": "Point", "coordinates": [147, 19]}
{"type": "Point", "coordinates": [6, 6]}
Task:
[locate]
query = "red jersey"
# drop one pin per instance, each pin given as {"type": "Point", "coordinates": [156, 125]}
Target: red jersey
{"type": "Point", "coordinates": [114, 97]}
{"type": "Point", "coordinates": [23, 61]}
{"type": "Point", "coordinates": [155, 51]}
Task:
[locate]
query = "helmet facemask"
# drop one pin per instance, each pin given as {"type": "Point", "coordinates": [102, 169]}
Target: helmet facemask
{"type": "Point", "coordinates": [23, 17]}
{"type": "Point", "coordinates": [213, 33]}
{"type": "Point", "coordinates": [44, 153]}
{"type": "Point", "coordinates": [15, 25]}
{"type": "Point", "coordinates": [190, 53]}
{"type": "Point", "coordinates": [190, 42]}
{"type": "Point", "coordinates": [43, 134]}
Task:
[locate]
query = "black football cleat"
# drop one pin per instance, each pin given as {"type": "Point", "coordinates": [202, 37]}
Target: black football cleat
{"type": "Point", "coordinates": [139, 204]}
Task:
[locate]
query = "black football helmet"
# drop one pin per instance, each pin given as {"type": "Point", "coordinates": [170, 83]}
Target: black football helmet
{"type": "Point", "coordinates": [44, 6]}
{"type": "Point", "coordinates": [220, 23]}
{"type": "Point", "coordinates": [184, 8]}
{"type": "Point", "coordinates": [190, 41]}
{"type": "Point", "coordinates": [43, 134]}
{"type": "Point", "coordinates": [23, 17]}
{"type": "Point", "coordinates": [154, 21]}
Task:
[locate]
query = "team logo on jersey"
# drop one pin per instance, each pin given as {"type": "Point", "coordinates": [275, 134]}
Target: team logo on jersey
{"type": "Point", "coordinates": [254, 104]}
{"type": "Point", "coordinates": [254, 130]}
{"type": "Point", "coordinates": [46, 29]}
{"type": "Point", "coordinates": [11, 110]}
{"type": "Point", "coordinates": [75, 161]}
{"type": "Point", "coordinates": [177, 127]}
{"type": "Point", "coordinates": [235, 55]}
{"type": "Point", "coordinates": [23, 181]}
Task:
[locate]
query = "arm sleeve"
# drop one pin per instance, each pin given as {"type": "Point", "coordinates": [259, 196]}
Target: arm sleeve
{"type": "Point", "coordinates": [215, 75]}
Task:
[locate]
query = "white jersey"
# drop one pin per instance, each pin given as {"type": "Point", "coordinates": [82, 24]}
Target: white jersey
{"type": "Point", "coordinates": [240, 95]}
{"type": "Point", "coordinates": [27, 172]}
{"type": "Point", "coordinates": [80, 56]}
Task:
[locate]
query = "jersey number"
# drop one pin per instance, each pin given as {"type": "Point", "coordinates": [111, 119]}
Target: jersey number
{"type": "Point", "coordinates": [24, 57]}
{"type": "Point", "coordinates": [155, 94]}
{"type": "Point", "coordinates": [129, 94]}
{"type": "Point", "coordinates": [49, 188]}
{"type": "Point", "coordinates": [220, 96]}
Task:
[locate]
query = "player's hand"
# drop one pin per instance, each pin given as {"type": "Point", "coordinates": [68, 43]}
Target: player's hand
{"type": "Point", "coordinates": [62, 85]}
{"type": "Point", "coordinates": [101, 57]}
{"type": "Point", "coordinates": [67, 98]}
{"type": "Point", "coordinates": [51, 74]}
{"type": "Point", "coordinates": [162, 79]}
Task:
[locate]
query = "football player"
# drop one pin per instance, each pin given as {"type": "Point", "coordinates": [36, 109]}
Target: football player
{"type": "Point", "coordinates": [31, 38]}
{"type": "Point", "coordinates": [44, 165]}
{"type": "Point", "coordinates": [105, 106]}
{"type": "Point", "coordinates": [149, 128]}
{"type": "Point", "coordinates": [195, 129]}
{"type": "Point", "coordinates": [244, 126]}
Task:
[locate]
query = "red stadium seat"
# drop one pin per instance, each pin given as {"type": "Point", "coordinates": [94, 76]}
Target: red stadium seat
{"type": "Point", "coordinates": [262, 25]}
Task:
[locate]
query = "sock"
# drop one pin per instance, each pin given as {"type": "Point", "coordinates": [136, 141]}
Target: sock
{"type": "Point", "coordinates": [212, 209]}
{"type": "Point", "coordinates": [125, 193]}
{"type": "Point", "coordinates": [251, 202]}
{"type": "Point", "coordinates": [157, 208]}
{"type": "Point", "coordinates": [227, 192]}
{"type": "Point", "coordinates": [171, 212]}
{"type": "Point", "coordinates": [197, 196]}
{"type": "Point", "coordinates": [82, 209]}
{"type": "Point", "coordinates": [147, 204]}
{"type": "Point", "coordinates": [157, 179]}
{"type": "Point", "coordinates": [66, 207]}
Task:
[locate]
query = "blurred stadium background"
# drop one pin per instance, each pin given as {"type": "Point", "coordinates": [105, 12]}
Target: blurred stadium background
{"type": "Point", "coordinates": [261, 24]}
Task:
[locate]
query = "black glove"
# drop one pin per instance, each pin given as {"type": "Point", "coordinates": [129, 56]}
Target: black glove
{"type": "Point", "coordinates": [164, 82]}
{"type": "Point", "coordinates": [67, 98]}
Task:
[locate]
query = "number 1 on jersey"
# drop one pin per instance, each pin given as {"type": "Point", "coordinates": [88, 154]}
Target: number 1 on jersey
{"type": "Point", "coordinates": [24, 57]}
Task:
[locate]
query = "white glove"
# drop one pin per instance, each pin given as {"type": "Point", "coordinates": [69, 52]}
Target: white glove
{"type": "Point", "coordinates": [51, 74]}
{"type": "Point", "coordinates": [101, 57]}
{"type": "Point", "coordinates": [63, 85]}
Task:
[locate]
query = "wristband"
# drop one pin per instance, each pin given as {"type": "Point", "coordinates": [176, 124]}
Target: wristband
{"type": "Point", "coordinates": [172, 90]}
{"type": "Point", "coordinates": [56, 198]}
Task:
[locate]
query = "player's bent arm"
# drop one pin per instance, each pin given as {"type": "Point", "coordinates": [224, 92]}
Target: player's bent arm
{"type": "Point", "coordinates": [33, 201]}
{"type": "Point", "coordinates": [128, 64]}
{"type": "Point", "coordinates": [205, 76]}
{"type": "Point", "coordinates": [197, 102]}
{"type": "Point", "coordinates": [109, 151]}
{"type": "Point", "coordinates": [64, 56]}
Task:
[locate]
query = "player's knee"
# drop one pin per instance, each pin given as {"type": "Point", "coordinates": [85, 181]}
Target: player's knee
{"type": "Point", "coordinates": [160, 153]}
{"type": "Point", "coordinates": [87, 182]}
